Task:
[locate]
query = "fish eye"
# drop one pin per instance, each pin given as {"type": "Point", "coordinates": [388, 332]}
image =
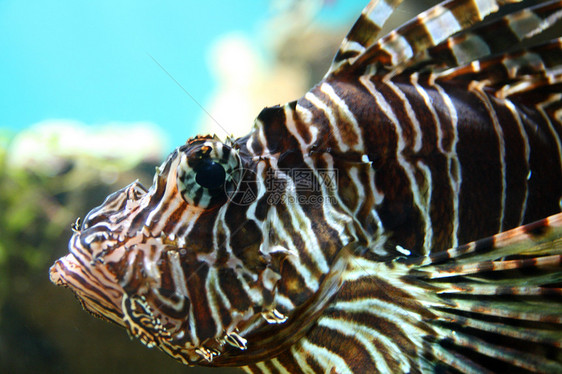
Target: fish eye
{"type": "Point", "coordinates": [210, 174]}
{"type": "Point", "coordinates": [205, 171]}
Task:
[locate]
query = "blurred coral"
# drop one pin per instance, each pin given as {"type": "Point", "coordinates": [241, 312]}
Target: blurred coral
{"type": "Point", "coordinates": [47, 147]}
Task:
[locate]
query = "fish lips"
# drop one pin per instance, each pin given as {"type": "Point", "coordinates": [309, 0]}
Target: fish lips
{"type": "Point", "coordinates": [98, 298]}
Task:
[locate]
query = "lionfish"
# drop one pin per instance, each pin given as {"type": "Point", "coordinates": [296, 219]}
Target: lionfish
{"type": "Point", "coordinates": [402, 216]}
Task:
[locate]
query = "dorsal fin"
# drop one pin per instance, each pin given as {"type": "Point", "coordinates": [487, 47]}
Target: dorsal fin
{"type": "Point", "coordinates": [494, 37]}
{"type": "Point", "coordinates": [407, 44]}
{"type": "Point", "coordinates": [363, 33]}
{"type": "Point", "coordinates": [543, 60]}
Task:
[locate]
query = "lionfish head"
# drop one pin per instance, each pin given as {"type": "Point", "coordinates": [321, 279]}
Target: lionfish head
{"type": "Point", "coordinates": [151, 260]}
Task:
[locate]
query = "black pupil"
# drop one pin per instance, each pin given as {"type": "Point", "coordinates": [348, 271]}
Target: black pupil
{"type": "Point", "coordinates": [210, 175]}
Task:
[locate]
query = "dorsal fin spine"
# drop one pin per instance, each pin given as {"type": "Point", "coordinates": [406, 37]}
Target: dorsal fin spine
{"type": "Point", "coordinates": [407, 43]}
{"type": "Point", "coordinates": [363, 33]}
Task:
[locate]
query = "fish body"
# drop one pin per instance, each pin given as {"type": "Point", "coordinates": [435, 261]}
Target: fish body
{"type": "Point", "coordinates": [402, 216]}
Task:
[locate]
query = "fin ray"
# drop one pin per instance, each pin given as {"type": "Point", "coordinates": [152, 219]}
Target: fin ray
{"type": "Point", "coordinates": [493, 296]}
{"type": "Point", "coordinates": [506, 354]}
{"type": "Point", "coordinates": [406, 44]}
{"type": "Point", "coordinates": [494, 37]}
{"type": "Point", "coordinates": [363, 33]}
{"type": "Point", "coordinates": [541, 61]}
{"type": "Point", "coordinates": [537, 238]}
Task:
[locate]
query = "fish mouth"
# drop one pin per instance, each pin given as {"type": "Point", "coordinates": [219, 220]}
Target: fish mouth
{"type": "Point", "coordinates": [104, 298]}
{"type": "Point", "coordinates": [55, 273]}
{"type": "Point", "coordinates": [63, 270]}
{"type": "Point", "coordinates": [95, 297]}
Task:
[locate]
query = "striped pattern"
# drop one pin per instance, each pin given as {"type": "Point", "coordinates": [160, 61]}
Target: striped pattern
{"type": "Point", "coordinates": [496, 36]}
{"type": "Point", "coordinates": [363, 33]}
{"type": "Point", "coordinates": [408, 43]}
{"type": "Point", "coordinates": [333, 237]}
